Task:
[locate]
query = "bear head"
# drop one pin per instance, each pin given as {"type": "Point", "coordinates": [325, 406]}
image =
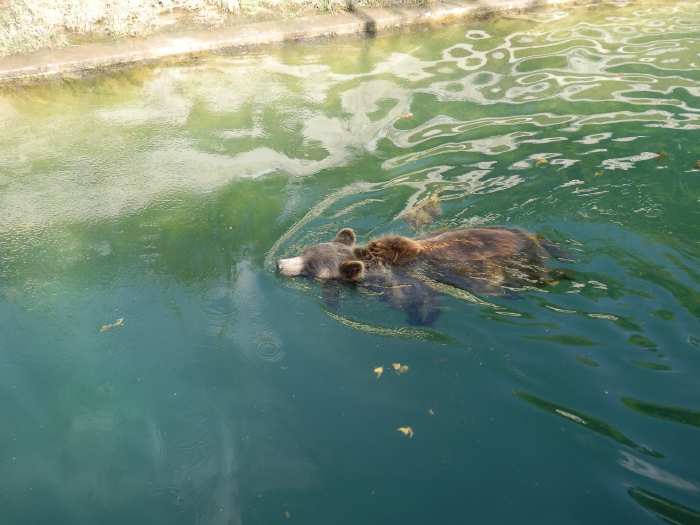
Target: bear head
{"type": "Point", "coordinates": [329, 260]}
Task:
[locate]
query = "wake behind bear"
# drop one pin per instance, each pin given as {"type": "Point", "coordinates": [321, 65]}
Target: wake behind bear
{"type": "Point", "coordinates": [485, 261]}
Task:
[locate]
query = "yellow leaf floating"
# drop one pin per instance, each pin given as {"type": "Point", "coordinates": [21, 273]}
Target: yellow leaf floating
{"type": "Point", "coordinates": [378, 371]}
{"type": "Point", "coordinates": [406, 431]}
{"type": "Point", "coordinates": [598, 174]}
{"type": "Point", "coordinates": [541, 162]}
{"type": "Point", "coordinates": [116, 324]}
{"type": "Point", "coordinates": [399, 368]}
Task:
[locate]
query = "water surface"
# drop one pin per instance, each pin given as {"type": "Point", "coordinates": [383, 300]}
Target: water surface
{"type": "Point", "coordinates": [162, 196]}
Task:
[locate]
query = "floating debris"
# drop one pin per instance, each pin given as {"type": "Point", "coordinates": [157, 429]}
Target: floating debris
{"type": "Point", "coordinates": [661, 155]}
{"type": "Point", "coordinates": [287, 514]}
{"type": "Point", "coordinates": [378, 371]}
{"type": "Point", "coordinates": [423, 212]}
{"type": "Point", "coordinates": [116, 324]}
{"type": "Point", "coordinates": [697, 164]}
{"type": "Point", "coordinates": [572, 417]}
{"type": "Point", "coordinates": [541, 162]}
{"type": "Point", "coordinates": [406, 431]}
{"type": "Point", "coordinates": [598, 174]}
{"type": "Point", "coordinates": [399, 368]}
{"type": "Point", "coordinates": [406, 116]}
{"type": "Point", "coordinates": [431, 412]}
{"type": "Point", "coordinates": [417, 218]}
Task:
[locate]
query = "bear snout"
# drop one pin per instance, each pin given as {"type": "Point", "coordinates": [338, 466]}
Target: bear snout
{"type": "Point", "coordinates": [290, 267]}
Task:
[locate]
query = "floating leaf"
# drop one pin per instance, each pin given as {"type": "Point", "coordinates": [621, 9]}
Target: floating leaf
{"type": "Point", "coordinates": [407, 115]}
{"type": "Point", "coordinates": [406, 431]}
{"type": "Point", "coordinates": [598, 174]}
{"type": "Point", "coordinates": [116, 324]}
{"type": "Point", "coordinates": [399, 368]}
{"type": "Point", "coordinates": [378, 371]}
{"type": "Point", "coordinates": [541, 162]}
{"type": "Point", "coordinates": [431, 412]}
{"type": "Point", "coordinates": [697, 164]}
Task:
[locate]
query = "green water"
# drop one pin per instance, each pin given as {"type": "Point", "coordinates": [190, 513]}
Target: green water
{"type": "Point", "coordinates": [230, 395]}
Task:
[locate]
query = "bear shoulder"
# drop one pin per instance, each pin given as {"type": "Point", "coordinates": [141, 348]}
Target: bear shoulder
{"type": "Point", "coordinates": [391, 250]}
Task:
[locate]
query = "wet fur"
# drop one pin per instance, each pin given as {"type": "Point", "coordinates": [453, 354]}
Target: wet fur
{"type": "Point", "coordinates": [496, 256]}
{"type": "Point", "coordinates": [489, 261]}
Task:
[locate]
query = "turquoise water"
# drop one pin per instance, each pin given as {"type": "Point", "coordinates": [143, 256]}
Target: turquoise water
{"type": "Point", "coordinates": [227, 395]}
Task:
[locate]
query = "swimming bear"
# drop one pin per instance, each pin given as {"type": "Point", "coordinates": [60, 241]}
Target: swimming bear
{"type": "Point", "coordinates": [485, 261]}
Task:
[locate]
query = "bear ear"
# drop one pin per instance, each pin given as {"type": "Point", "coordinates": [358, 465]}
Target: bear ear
{"type": "Point", "coordinates": [352, 270]}
{"type": "Point", "coordinates": [345, 236]}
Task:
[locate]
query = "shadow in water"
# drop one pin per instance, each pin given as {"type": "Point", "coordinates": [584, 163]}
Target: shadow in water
{"type": "Point", "coordinates": [586, 421]}
{"type": "Point", "coordinates": [667, 510]}
{"type": "Point", "coordinates": [679, 415]}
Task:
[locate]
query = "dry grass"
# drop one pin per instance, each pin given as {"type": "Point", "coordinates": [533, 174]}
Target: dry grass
{"type": "Point", "coordinates": [27, 25]}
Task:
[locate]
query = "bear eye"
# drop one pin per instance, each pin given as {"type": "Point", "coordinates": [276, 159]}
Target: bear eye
{"type": "Point", "coordinates": [308, 268]}
{"type": "Point", "coordinates": [312, 268]}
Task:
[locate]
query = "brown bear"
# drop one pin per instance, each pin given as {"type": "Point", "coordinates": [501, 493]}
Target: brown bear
{"type": "Point", "coordinates": [488, 261]}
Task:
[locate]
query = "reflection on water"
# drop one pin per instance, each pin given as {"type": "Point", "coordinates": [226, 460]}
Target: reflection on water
{"type": "Point", "coordinates": [163, 196]}
{"type": "Point", "coordinates": [646, 469]}
{"type": "Point", "coordinates": [402, 332]}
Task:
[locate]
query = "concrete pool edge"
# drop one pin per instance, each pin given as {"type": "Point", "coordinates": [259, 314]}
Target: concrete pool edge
{"type": "Point", "coordinates": [92, 57]}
